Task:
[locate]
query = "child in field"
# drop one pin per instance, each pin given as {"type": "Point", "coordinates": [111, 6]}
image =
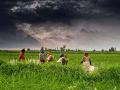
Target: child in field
{"type": "Point", "coordinates": [42, 56]}
{"type": "Point", "coordinates": [86, 61]}
{"type": "Point", "coordinates": [50, 57]}
{"type": "Point", "coordinates": [22, 55]}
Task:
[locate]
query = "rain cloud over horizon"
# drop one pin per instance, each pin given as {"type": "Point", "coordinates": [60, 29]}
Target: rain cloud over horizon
{"type": "Point", "coordinates": [83, 24]}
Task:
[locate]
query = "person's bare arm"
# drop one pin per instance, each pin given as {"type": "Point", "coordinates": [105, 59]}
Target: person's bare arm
{"type": "Point", "coordinates": [90, 61]}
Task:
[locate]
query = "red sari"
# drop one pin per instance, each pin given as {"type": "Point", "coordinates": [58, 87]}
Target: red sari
{"type": "Point", "coordinates": [22, 56]}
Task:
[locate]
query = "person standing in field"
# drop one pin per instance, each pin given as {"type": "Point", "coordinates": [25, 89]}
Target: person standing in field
{"type": "Point", "coordinates": [42, 55]}
{"type": "Point", "coordinates": [62, 51]}
{"type": "Point", "coordinates": [86, 61]}
{"type": "Point", "coordinates": [22, 54]}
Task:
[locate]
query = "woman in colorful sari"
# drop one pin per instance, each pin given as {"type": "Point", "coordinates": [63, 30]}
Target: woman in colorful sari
{"type": "Point", "coordinates": [22, 54]}
{"type": "Point", "coordinates": [86, 61]}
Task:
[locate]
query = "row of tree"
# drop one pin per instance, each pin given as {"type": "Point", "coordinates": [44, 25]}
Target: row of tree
{"type": "Point", "coordinates": [112, 49]}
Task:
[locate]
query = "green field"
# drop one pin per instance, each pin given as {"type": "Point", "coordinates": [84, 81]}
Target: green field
{"type": "Point", "coordinates": [16, 75]}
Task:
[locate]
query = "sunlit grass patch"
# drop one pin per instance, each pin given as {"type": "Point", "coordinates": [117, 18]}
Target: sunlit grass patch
{"type": "Point", "coordinates": [28, 61]}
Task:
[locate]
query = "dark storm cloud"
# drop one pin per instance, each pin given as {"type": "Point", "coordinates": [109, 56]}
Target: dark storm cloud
{"type": "Point", "coordinates": [54, 10]}
{"type": "Point", "coordinates": [9, 36]}
{"type": "Point", "coordinates": [51, 10]}
{"type": "Point", "coordinates": [112, 5]}
{"type": "Point", "coordinates": [35, 12]}
{"type": "Point", "coordinates": [63, 10]}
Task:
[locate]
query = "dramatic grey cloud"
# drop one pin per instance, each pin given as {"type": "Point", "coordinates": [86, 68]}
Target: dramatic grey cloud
{"type": "Point", "coordinates": [45, 10]}
{"type": "Point", "coordinates": [83, 34]}
{"type": "Point", "coordinates": [84, 24]}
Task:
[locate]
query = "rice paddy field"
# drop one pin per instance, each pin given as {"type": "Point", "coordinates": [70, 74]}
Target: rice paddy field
{"type": "Point", "coordinates": [31, 75]}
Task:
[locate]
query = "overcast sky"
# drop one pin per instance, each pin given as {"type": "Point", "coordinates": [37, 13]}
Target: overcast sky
{"type": "Point", "coordinates": [83, 24]}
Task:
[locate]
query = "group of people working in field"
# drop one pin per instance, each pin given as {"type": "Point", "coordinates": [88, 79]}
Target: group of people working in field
{"type": "Point", "coordinates": [43, 57]}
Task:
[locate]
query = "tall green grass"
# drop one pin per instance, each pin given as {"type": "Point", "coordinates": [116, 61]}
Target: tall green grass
{"type": "Point", "coordinates": [53, 76]}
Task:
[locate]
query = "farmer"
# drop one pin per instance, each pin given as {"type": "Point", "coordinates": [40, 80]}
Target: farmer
{"type": "Point", "coordinates": [62, 51]}
{"type": "Point", "coordinates": [22, 54]}
{"type": "Point", "coordinates": [42, 55]}
{"type": "Point", "coordinates": [86, 61]}
{"type": "Point", "coordinates": [50, 57]}
{"type": "Point", "coordinates": [63, 59]}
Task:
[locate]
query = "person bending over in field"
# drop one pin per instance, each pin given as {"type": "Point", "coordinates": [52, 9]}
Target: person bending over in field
{"type": "Point", "coordinates": [50, 57]}
{"type": "Point", "coordinates": [22, 54]}
{"type": "Point", "coordinates": [86, 61]}
{"type": "Point", "coordinates": [63, 59]}
{"type": "Point", "coordinates": [42, 55]}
